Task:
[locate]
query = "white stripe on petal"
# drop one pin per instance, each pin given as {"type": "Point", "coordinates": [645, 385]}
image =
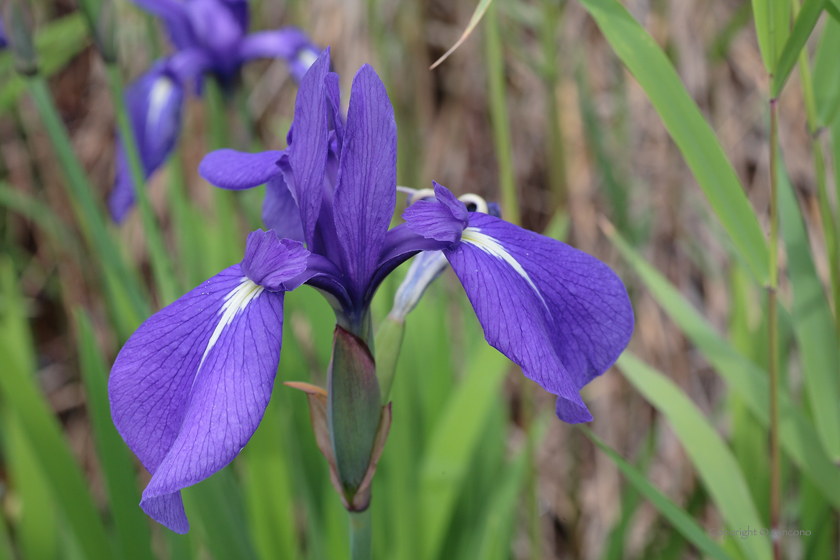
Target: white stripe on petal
{"type": "Point", "coordinates": [473, 236]}
{"type": "Point", "coordinates": [158, 97]}
{"type": "Point", "coordinates": [235, 301]}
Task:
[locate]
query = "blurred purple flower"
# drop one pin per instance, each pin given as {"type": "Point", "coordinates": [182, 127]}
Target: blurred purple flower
{"type": "Point", "coordinates": [210, 36]}
{"type": "Point", "coordinates": [190, 386]}
{"type": "Point", "coordinates": [3, 41]}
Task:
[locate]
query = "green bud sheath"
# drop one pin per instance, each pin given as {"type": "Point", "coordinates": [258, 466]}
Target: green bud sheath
{"type": "Point", "coordinates": [19, 29]}
{"type": "Point", "coordinates": [389, 339]}
{"type": "Point", "coordinates": [354, 411]}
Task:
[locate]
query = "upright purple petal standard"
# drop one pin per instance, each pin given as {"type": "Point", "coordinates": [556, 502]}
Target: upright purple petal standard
{"type": "Point", "coordinates": [280, 212]}
{"type": "Point", "coordinates": [191, 385]}
{"type": "Point", "coordinates": [366, 191]}
{"type": "Point", "coordinates": [309, 146]}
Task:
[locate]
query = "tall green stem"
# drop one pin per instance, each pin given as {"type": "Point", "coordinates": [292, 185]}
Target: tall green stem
{"type": "Point", "coordinates": [555, 155]}
{"type": "Point", "coordinates": [123, 289]}
{"type": "Point", "coordinates": [499, 114]}
{"type": "Point", "coordinates": [827, 217]}
{"type": "Point", "coordinates": [360, 530]}
{"type": "Point", "coordinates": [772, 328]}
{"type": "Point", "coordinates": [161, 266]}
{"type": "Point", "coordinates": [226, 230]}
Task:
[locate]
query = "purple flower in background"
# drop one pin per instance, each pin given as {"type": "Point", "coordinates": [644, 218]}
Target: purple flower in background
{"type": "Point", "coordinates": [3, 41]}
{"type": "Point", "coordinates": [210, 37]}
{"type": "Point", "coordinates": [190, 386]}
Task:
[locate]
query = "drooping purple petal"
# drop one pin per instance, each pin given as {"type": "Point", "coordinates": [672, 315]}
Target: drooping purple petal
{"type": "Point", "coordinates": [366, 190]}
{"type": "Point", "coordinates": [239, 9]}
{"type": "Point", "coordinates": [561, 314]}
{"type": "Point", "coordinates": [229, 169]}
{"type": "Point", "coordinates": [289, 43]}
{"type": "Point", "coordinates": [280, 211]}
{"type": "Point", "coordinates": [190, 63]}
{"type": "Point", "coordinates": [190, 386]}
{"type": "Point", "coordinates": [154, 104]}
{"type": "Point", "coordinates": [174, 14]}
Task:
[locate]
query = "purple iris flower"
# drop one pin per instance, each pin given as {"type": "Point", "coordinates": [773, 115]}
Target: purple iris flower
{"type": "Point", "coordinates": [3, 41]}
{"type": "Point", "coordinates": [210, 37]}
{"type": "Point", "coordinates": [191, 385]}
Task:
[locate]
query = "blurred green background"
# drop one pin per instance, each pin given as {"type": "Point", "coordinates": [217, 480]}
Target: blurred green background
{"type": "Point", "coordinates": [632, 131]}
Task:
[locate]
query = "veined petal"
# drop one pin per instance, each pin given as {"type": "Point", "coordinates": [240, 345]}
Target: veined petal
{"type": "Point", "coordinates": [366, 189]}
{"type": "Point", "coordinates": [280, 211]}
{"type": "Point", "coordinates": [309, 145]}
{"type": "Point", "coordinates": [233, 170]}
{"type": "Point", "coordinates": [190, 386]}
{"type": "Point", "coordinates": [336, 120]}
{"type": "Point", "coordinates": [289, 43]}
{"type": "Point", "coordinates": [561, 314]}
{"type": "Point", "coordinates": [154, 104]}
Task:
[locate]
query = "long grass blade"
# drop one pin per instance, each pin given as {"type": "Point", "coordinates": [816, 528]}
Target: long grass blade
{"type": "Point", "coordinates": [692, 134]}
{"type": "Point", "coordinates": [798, 437]}
{"type": "Point", "coordinates": [709, 454]}
{"type": "Point", "coordinates": [131, 523]}
{"type": "Point", "coordinates": [476, 17]}
{"type": "Point", "coordinates": [802, 28]}
{"type": "Point", "coordinates": [813, 324]}
{"type": "Point", "coordinates": [678, 518]}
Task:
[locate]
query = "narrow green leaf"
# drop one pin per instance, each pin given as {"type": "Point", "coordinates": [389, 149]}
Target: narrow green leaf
{"type": "Point", "coordinates": [826, 76]}
{"type": "Point", "coordinates": [447, 458]}
{"type": "Point", "coordinates": [813, 323]}
{"type": "Point", "coordinates": [798, 437]}
{"type": "Point", "coordinates": [709, 454]}
{"type": "Point", "coordinates": [20, 392]}
{"type": "Point", "coordinates": [267, 486]}
{"type": "Point", "coordinates": [131, 523]}
{"type": "Point", "coordinates": [692, 134]}
{"type": "Point", "coordinates": [802, 28]}
{"type": "Point", "coordinates": [495, 541]}
{"type": "Point", "coordinates": [771, 25]}
{"type": "Point", "coordinates": [476, 17]}
{"type": "Point", "coordinates": [679, 519]}
{"type": "Point", "coordinates": [215, 507]}
{"type": "Point", "coordinates": [37, 527]}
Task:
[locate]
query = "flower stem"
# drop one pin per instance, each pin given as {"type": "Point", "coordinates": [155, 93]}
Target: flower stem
{"type": "Point", "coordinates": [775, 453]}
{"type": "Point", "coordinates": [360, 530]}
{"type": "Point", "coordinates": [499, 114]}
{"type": "Point", "coordinates": [227, 234]}
{"type": "Point", "coordinates": [161, 266]}
{"type": "Point", "coordinates": [123, 289]}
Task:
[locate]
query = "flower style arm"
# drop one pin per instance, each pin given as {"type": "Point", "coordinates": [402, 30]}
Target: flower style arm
{"type": "Point", "coordinates": [559, 313]}
{"type": "Point", "coordinates": [190, 386]}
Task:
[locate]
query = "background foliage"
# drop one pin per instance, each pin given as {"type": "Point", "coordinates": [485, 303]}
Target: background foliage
{"type": "Point", "coordinates": [637, 132]}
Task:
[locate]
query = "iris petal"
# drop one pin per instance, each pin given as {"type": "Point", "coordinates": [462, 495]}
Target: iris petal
{"type": "Point", "coordinates": [191, 385]}
{"type": "Point", "coordinates": [289, 43]}
{"type": "Point", "coordinates": [154, 103]}
{"type": "Point", "coordinates": [230, 169]}
{"type": "Point", "coordinates": [366, 189]}
{"type": "Point", "coordinates": [559, 313]}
